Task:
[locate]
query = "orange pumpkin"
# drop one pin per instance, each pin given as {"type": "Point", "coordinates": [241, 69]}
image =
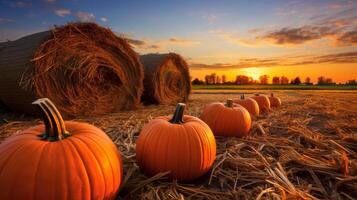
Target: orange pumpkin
{"type": "Point", "coordinates": [227, 120]}
{"type": "Point", "coordinates": [274, 101]}
{"type": "Point", "coordinates": [250, 104]}
{"type": "Point", "coordinates": [183, 145]}
{"type": "Point", "coordinates": [59, 160]}
{"type": "Point", "coordinates": [263, 102]}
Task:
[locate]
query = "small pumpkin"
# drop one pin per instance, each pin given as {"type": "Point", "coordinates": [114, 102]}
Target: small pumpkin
{"type": "Point", "coordinates": [227, 120]}
{"type": "Point", "coordinates": [263, 102]}
{"type": "Point", "coordinates": [59, 160]}
{"type": "Point", "coordinates": [274, 101]}
{"type": "Point", "coordinates": [248, 103]}
{"type": "Point", "coordinates": [183, 145]}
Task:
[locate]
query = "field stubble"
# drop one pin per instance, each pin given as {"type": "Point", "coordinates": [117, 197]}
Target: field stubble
{"type": "Point", "coordinates": [306, 149]}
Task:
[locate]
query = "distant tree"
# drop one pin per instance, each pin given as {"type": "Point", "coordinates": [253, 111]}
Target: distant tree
{"type": "Point", "coordinates": [264, 79]}
{"type": "Point", "coordinates": [218, 80]}
{"type": "Point", "coordinates": [213, 78]}
{"type": "Point", "coordinates": [351, 82]}
{"type": "Point", "coordinates": [242, 80]}
{"type": "Point", "coordinates": [276, 80]}
{"type": "Point", "coordinates": [296, 81]}
{"type": "Point", "coordinates": [207, 79]}
{"type": "Point", "coordinates": [308, 81]}
{"type": "Point", "coordinates": [324, 81]}
{"type": "Point", "coordinates": [197, 81]}
{"type": "Point", "coordinates": [284, 80]}
{"type": "Point", "coordinates": [321, 80]}
{"type": "Point", "coordinates": [329, 81]}
{"type": "Point", "coordinates": [224, 79]}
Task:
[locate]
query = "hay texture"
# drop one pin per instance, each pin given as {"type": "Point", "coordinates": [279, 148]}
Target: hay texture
{"type": "Point", "coordinates": [166, 80]}
{"type": "Point", "coordinates": [83, 68]}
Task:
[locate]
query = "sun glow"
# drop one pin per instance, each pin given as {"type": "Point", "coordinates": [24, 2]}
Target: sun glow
{"type": "Point", "coordinates": [253, 72]}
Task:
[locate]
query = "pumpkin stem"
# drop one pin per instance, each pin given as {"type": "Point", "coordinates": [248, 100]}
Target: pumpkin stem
{"type": "Point", "coordinates": [229, 103]}
{"type": "Point", "coordinates": [272, 95]}
{"type": "Point", "coordinates": [256, 94]}
{"type": "Point", "coordinates": [54, 124]}
{"type": "Point", "coordinates": [178, 115]}
{"type": "Point", "coordinates": [242, 97]}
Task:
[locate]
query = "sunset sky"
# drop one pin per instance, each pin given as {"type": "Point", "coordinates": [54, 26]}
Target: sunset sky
{"type": "Point", "coordinates": [281, 37]}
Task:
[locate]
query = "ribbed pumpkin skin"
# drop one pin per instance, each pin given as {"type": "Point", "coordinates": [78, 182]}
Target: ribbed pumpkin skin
{"type": "Point", "coordinates": [188, 150]}
{"type": "Point", "coordinates": [250, 104]}
{"type": "Point", "coordinates": [263, 102]}
{"type": "Point", "coordinates": [224, 121]}
{"type": "Point", "coordinates": [86, 165]}
{"type": "Point", "coordinates": [275, 102]}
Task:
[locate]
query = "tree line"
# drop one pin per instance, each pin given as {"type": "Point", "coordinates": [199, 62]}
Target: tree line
{"type": "Point", "coordinates": [214, 79]}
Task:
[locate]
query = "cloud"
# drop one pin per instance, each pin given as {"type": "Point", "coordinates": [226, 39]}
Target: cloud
{"type": "Point", "coordinates": [141, 44]}
{"type": "Point", "coordinates": [5, 20]}
{"type": "Point", "coordinates": [104, 19]}
{"type": "Point", "coordinates": [49, 1]}
{"type": "Point", "coordinates": [298, 35]}
{"type": "Point", "coordinates": [146, 44]}
{"type": "Point", "coordinates": [347, 39]}
{"type": "Point", "coordinates": [339, 58]}
{"type": "Point", "coordinates": [85, 16]}
{"type": "Point", "coordinates": [20, 4]}
{"type": "Point", "coordinates": [209, 17]}
{"type": "Point", "coordinates": [236, 39]}
{"type": "Point", "coordinates": [184, 42]}
{"type": "Point", "coordinates": [62, 12]}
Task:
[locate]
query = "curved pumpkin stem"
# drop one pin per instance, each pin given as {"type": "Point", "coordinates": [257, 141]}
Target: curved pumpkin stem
{"type": "Point", "coordinates": [54, 124]}
{"type": "Point", "coordinates": [242, 97]}
{"type": "Point", "coordinates": [229, 103]}
{"type": "Point", "coordinates": [178, 115]}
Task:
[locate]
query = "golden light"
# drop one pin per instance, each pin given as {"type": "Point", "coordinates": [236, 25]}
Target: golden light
{"type": "Point", "coordinates": [253, 72]}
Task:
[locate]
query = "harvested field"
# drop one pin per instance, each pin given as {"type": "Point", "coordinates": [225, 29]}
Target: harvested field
{"type": "Point", "coordinates": [306, 149]}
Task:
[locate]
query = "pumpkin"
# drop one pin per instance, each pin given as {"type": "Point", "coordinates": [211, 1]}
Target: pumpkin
{"type": "Point", "coordinates": [183, 145]}
{"type": "Point", "coordinates": [59, 160]}
{"type": "Point", "coordinates": [274, 101]}
{"type": "Point", "coordinates": [227, 120]}
{"type": "Point", "coordinates": [263, 102]}
{"type": "Point", "coordinates": [250, 104]}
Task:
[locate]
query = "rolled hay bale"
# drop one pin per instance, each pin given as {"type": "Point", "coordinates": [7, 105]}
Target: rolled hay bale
{"type": "Point", "coordinates": [83, 68]}
{"type": "Point", "coordinates": [166, 79]}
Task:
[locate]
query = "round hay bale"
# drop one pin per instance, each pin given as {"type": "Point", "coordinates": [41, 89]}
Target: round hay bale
{"type": "Point", "coordinates": [83, 68]}
{"type": "Point", "coordinates": [166, 80]}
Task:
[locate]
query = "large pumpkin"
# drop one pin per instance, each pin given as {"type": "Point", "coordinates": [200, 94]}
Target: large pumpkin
{"type": "Point", "coordinates": [263, 102]}
{"type": "Point", "coordinates": [59, 160]}
{"type": "Point", "coordinates": [227, 120]}
{"type": "Point", "coordinates": [248, 103]}
{"type": "Point", "coordinates": [183, 145]}
{"type": "Point", "coordinates": [274, 101]}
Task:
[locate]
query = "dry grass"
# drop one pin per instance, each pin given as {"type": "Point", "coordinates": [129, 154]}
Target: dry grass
{"type": "Point", "coordinates": [304, 150]}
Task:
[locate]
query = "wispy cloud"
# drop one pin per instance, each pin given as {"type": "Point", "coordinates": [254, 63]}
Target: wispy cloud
{"type": "Point", "coordinates": [180, 41]}
{"type": "Point", "coordinates": [347, 57]}
{"type": "Point", "coordinates": [104, 19]}
{"type": "Point", "coordinates": [49, 1]}
{"type": "Point", "coordinates": [145, 44]}
{"type": "Point", "coordinates": [62, 12]}
{"type": "Point", "coordinates": [20, 4]}
{"type": "Point", "coordinates": [5, 20]}
{"type": "Point", "coordinates": [85, 16]}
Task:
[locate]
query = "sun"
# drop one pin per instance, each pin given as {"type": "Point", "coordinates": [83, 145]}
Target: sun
{"type": "Point", "coordinates": [253, 72]}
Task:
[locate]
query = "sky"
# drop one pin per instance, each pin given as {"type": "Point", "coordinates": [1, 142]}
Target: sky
{"type": "Point", "coordinates": [230, 37]}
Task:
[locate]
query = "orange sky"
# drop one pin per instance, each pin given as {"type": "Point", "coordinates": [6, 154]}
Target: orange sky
{"type": "Point", "coordinates": [345, 72]}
